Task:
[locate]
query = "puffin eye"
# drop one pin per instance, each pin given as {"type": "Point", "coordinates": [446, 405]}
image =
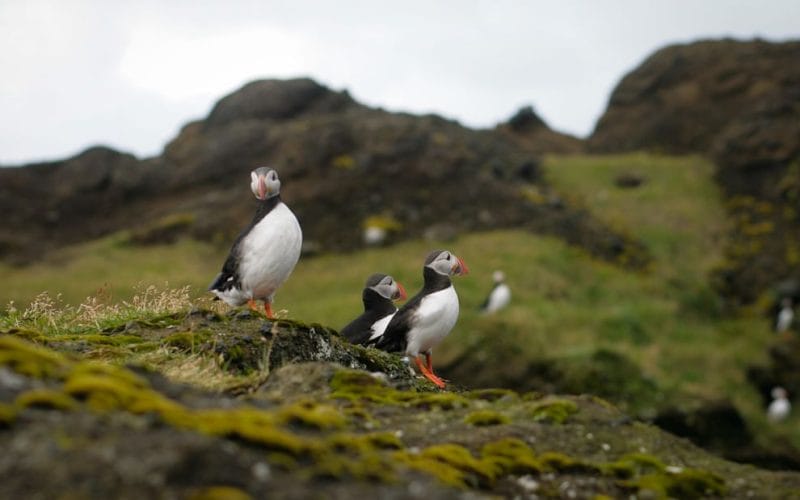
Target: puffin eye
{"type": "Point", "coordinates": [448, 256]}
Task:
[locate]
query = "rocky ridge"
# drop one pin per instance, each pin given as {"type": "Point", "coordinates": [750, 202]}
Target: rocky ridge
{"type": "Point", "coordinates": [318, 413]}
{"type": "Point", "coordinates": [344, 167]}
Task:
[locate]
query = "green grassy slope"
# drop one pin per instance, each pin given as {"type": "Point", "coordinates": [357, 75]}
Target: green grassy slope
{"type": "Point", "coordinates": [565, 303]}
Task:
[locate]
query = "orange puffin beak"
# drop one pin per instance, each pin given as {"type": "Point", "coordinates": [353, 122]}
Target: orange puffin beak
{"type": "Point", "coordinates": [401, 292]}
{"type": "Point", "coordinates": [460, 268]}
{"type": "Point", "coordinates": [262, 187]}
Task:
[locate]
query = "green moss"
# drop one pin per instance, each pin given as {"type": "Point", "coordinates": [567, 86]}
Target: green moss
{"type": "Point", "coordinates": [184, 341]}
{"type": "Point", "coordinates": [553, 410]}
{"type": "Point", "coordinates": [27, 334]}
{"type": "Point", "coordinates": [367, 467]}
{"type": "Point", "coordinates": [219, 493]}
{"type": "Point", "coordinates": [310, 414]}
{"type": "Point", "coordinates": [346, 456]}
{"type": "Point", "coordinates": [360, 386]}
{"type": "Point", "coordinates": [8, 413]}
{"type": "Point", "coordinates": [643, 472]}
{"type": "Point", "coordinates": [491, 394]}
{"type": "Point", "coordinates": [478, 472]}
{"type": "Point", "coordinates": [45, 398]}
{"type": "Point", "coordinates": [442, 401]}
{"type": "Point", "coordinates": [555, 461]}
{"type": "Point", "coordinates": [362, 444]}
{"type": "Point", "coordinates": [359, 415]}
{"type": "Point", "coordinates": [634, 464]}
{"type": "Point", "coordinates": [687, 484]}
{"type": "Point", "coordinates": [28, 359]}
{"type": "Point", "coordinates": [444, 472]}
{"type": "Point", "coordinates": [511, 456]}
{"type": "Point", "coordinates": [486, 417]}
{"type": "Point", "coordinates": [344, 162]}
{"type": "Point", "coordinates": [248, 424]}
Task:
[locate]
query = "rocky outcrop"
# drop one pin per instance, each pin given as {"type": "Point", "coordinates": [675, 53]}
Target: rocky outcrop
{"type": "Point", "coordinates": [687, 98]}
{"type": "Point", "coordinates": [738, 102]}
{"type": "Point", "coordinates": [342, 165]}
{"type": "Point", "coordinates": [99, 430]}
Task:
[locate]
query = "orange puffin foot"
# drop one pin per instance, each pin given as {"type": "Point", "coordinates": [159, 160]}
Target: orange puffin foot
{"type": "Point", "coordinates": [428, 374]}
{"type": "Point", "coordinates": [268, 310]}
{"type": "Point", "coordinates": [252, 304]}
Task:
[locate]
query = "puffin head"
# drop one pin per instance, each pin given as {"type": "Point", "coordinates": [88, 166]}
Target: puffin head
{"type": "Point", "coordinates": [264, 183]}
{"type": "Point", "coordinates": [444, 262]}
{"type": "Point", "coordinates": [386, 286]}
{"type": "Point", "coordinates": [499, 276]}
{"type": "Point", "coordinates": [778, 393]}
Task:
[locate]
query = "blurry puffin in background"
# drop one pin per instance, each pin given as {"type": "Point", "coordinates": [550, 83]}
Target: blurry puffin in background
{"type": "Point", "coordinates": [499, 296]}
{"type": "Point", "coordinates": [380, 292]}
{"type": "Point", "coordinates": [785, 316]}
{"type": "Point", "coordinates": [425, 320]}
{"type": "Point", "coordinates": [265, 253]}
{"type": "Point", "coordinates": [780, 407]}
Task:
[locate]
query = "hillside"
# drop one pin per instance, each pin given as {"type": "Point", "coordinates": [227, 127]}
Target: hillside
{"type": "Point", "coordinates": [343, 166]}
{"type": "Point", "coordinates": [737, 102]}
{"type": "Point", "coordinates": [653, 342]}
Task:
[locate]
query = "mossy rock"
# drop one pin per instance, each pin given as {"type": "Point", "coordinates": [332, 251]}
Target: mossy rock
{"type": "Point", "coordinates": [482, 418]}
{"type": "Point", "coordinates": [322, 425]}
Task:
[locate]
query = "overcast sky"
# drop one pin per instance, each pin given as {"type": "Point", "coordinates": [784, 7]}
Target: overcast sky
{"type": "Point", "coordinates": [129, 74]}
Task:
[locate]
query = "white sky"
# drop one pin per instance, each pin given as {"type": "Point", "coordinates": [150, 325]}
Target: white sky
{"type": "Point", "coordinates": [129, 74]}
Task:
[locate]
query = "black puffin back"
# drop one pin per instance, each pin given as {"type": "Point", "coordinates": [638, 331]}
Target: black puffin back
{"type": "Point", "coordinates": [230, 269]}
{"type": "Point", "coordinates": [376, 307]}
{"type": "Point", "coordinates": [394, 339]}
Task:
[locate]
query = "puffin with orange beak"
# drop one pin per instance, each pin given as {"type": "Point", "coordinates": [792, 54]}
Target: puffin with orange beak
{"type": "Point", "coordinates": [380, 292]}
{"type": "Point", "coordinates": [425, 320]}
{"type": "Point", "coordinates": [265, 253]}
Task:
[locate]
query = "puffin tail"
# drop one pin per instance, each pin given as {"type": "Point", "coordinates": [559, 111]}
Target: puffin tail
{"type": "Point", "coordinates": [223, 281]}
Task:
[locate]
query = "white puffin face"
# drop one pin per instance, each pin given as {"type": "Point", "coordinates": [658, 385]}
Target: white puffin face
{"type": "Point", "coordinates": [264, 183]}
{"type": "Point", "coordinates": [444, 262]}
{"type": "Point", "coordinates": [779, 393]}
{"type": "Point", "coordinates": [386, 286]}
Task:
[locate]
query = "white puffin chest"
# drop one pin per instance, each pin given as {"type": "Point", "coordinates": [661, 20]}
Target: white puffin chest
{"type": "Point", "coordinates": [269, 252]}
{"type": "Point", "coordinates": [499, 298]}
{"type": "Point", "coordinates": [435, 317]}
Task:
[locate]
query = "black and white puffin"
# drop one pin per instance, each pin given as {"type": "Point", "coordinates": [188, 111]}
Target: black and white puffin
{"type": "Point", "coordinates": [780, 407]}
{"type": "Point", "coordinates": [785, 316]}
{"type": "Point", "coordinates": [265, 253]}
{"type": "Point", "coordinates": [425, 320]}
{"type": "Point", "coordinates": [499, 296]}
{"type": "Point", "coordinates": [380, 292]}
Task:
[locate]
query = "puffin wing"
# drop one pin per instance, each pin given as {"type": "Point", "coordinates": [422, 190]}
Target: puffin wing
{"type": "Point", "coordinates": [357, 331]}
{"type": "Point", "coordinates": [229, 276]}
{"type": "Point", "coordinates": [394, 338]}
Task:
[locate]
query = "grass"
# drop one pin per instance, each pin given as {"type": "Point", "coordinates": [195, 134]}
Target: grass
{"type": "Point", "coordinates": [565, 303]}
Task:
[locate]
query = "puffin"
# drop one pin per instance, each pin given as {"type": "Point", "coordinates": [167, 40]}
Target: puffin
{"type": "Point", "coordinates": [780, 406]}
{"type": "Point", "coordinates": [425, 320]}
{"type": "Point", "coordinates": [499, 296]}
{"type": "Point", "coordinates": [785, 316]}
{"type": "Point", "coordinates": [380, 292]}
{"type": "Point", "coordinates": [265, 253]}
